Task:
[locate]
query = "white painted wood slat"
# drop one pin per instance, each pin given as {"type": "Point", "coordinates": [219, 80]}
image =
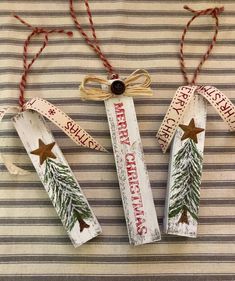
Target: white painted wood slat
{"type": "Point", "coordinates": [31, 127]}
{"type": "Point", "coordinates": [138, 204]}
{"type": "Point", "coordinates": [197, 111]}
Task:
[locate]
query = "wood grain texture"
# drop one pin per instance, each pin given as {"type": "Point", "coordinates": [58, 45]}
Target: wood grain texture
{"type": "Point", "coordinates": [140, 213]}
{"type": "Point", "coordinates": [197, 111]}
{"type": "Point", "coordinates": [31, 127]}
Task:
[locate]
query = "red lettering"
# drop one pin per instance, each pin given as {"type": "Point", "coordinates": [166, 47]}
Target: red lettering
{"type": "Point", "coordinates": [73, 129]}
{"type": "Point", "coordinates": [142, 230]}
{"type": "Point", "coordinates": [69, 123]}
{"type": "Point", "coordinates": [130, 157]}
{"type": "Point", "coordinates": [136, 197]}
{"type": "Point", "coordinates": [170, 120]}
{"type": "Point", "coordinates": [121, 123]}
{"type": "Point", "coordinates": [188, 89]}
{"type": "Point", "coordinates": [177, 110]}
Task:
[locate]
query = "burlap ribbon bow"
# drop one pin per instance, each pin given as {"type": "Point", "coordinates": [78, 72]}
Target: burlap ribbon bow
{"type": "Point", "coordinates": [136, 84]}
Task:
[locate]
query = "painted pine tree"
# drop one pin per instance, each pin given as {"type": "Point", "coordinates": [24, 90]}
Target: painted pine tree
{"type": "Point", "coordinates": [57, 178]}
{"type": "Point", "coordinates": [65, 196]}
{"type": "Point", "coordinates": [185, 192]}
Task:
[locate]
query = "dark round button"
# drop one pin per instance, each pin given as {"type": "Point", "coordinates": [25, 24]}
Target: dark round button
{"type": "Point", "coordinates": [118, 87]}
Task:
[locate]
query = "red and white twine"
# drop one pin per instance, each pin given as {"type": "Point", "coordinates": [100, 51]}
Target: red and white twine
{"type": "Point", "coordinates": [93, 43]}
{"type": "Point", "coordinates": [27, 66]}
{"type": "Point", "coordinates": [214, 12]}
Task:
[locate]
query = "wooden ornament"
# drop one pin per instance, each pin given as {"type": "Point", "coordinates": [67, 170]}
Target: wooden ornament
{"type": "Point", "coordinates": [137, 198]}
{"type": "Point", "coordinates": [185, 168]}
{"type": "Point", "coordinates": [57, 178]}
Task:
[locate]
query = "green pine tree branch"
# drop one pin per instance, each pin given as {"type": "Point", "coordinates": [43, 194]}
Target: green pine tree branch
{"type": "Point", "coordinates": [185, 191]}
{"type": "Point", "coordinates": [65, 195]}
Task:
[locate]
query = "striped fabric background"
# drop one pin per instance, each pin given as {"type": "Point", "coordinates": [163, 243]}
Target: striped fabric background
{"type": "Point", "coordinates": [133, 34]}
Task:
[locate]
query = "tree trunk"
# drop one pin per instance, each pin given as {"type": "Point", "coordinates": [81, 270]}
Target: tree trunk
{"type": "Point", "coordinates": [184, 217]}
{"type": "Point", "coordinates": [82, 224]}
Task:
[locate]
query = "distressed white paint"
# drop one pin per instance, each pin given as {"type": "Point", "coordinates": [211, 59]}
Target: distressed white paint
{"type": "Point", "coordinates": [196, 110]}
{"type": "Point", "coordinates": [121, 151]}
{"type": "Point", "coordinates": [31, 127]}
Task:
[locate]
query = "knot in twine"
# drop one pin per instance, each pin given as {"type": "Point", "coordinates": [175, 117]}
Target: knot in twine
{"type": "Point", "coordinates": [133, 88]}
{"type": "Point", "coordinates": [214, 12]}
{"type": "Point", "coordinates": [27, 65]}
{"type": "Point", "coordinates": [211, 11]}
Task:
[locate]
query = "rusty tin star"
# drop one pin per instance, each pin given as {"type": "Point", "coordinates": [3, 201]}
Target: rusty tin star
{"type": "Point", "coordinates": [190, 131]}
{"type": "Point", "coordinates": [44, 151]}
